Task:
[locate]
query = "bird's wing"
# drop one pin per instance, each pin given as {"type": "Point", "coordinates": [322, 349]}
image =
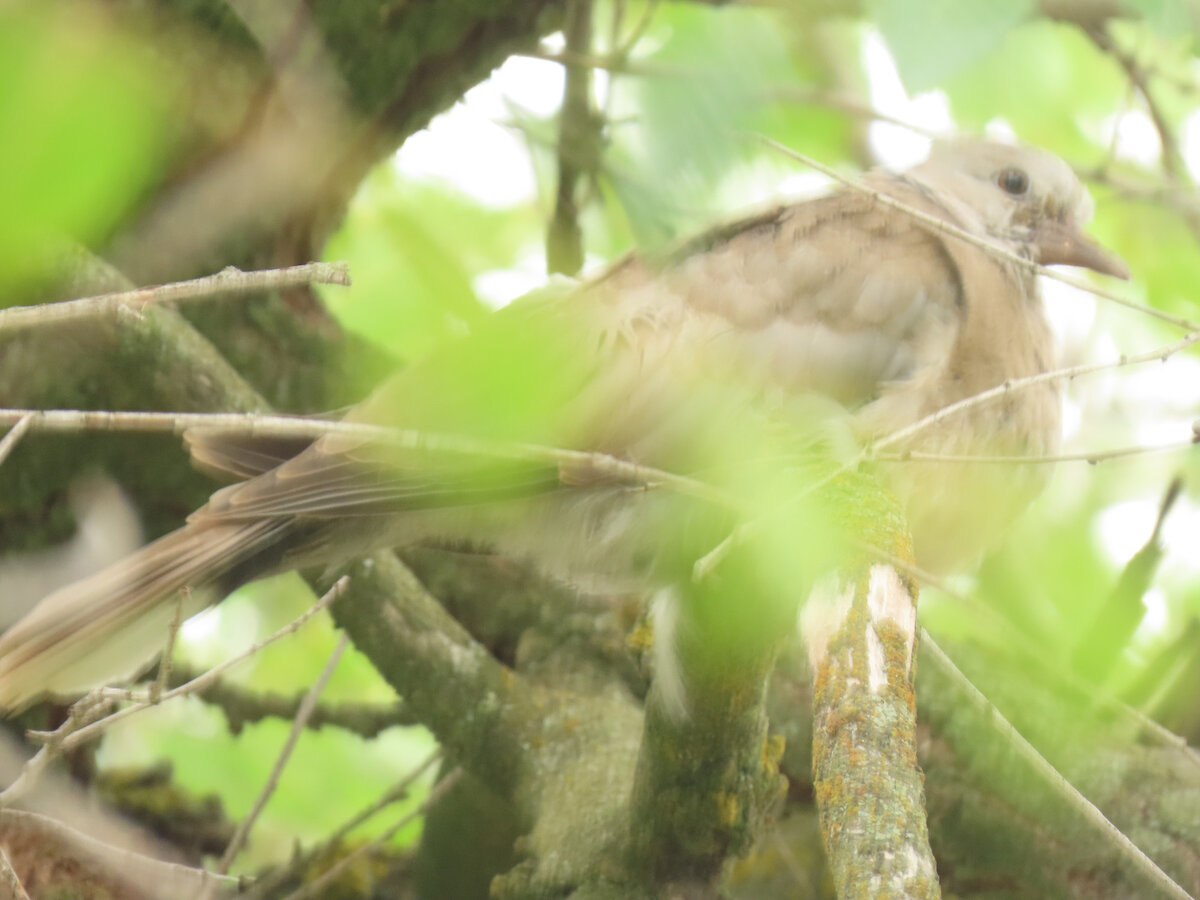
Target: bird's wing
{"type": "Point", "coordinates": [837, 296]}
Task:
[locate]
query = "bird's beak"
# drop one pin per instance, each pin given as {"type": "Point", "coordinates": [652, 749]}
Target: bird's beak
{"type": "Point", "coordinates": [1062, 243]}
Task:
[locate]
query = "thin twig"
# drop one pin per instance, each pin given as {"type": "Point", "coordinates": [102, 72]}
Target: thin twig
{"type": "Point", "coordinates": [983, 243]}
{"type": "Point", "coordinates": [164, 666]}
{"type": "Point", "coordinates": [1092, 458]}
{"type": "Point", "coordinates": [199, 683]}
{"type": "Point", "coordinates": [227, 281]}
{"type": "Point", "coordinates": [13, 437]}
{"type": "Point", "coordinates": [848, 105]}
{"type": "Point", "coordinates": [83, 712]}
{"type": "Point", "coordinates": [253, 424]}
{"type": "Point", "coordinates": [397, 792]}
{"type": "Point", "coordinates": [169, 879]}
{"type": "Point", "coordinates": [1111, 835]}
{"type": "Point", "coordinates": [1017, 384]}
{"type": "Point", "coordinates": [1140, 82]}
{"type": "Point", "coordinates": [317, 884]}
{"type": "Point", "coordinates": [1014, 637]}
{"type": "Point", "coordinates": [705, 565]}
{"type": "Point", "coordinates": [241, 705]}
{"type": "Point", "coordinates": [9, 882]}
{"type": "Point", "coordinates": [285, 753]}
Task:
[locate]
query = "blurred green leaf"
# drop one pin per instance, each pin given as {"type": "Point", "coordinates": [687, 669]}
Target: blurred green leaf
{"type": "Point", "coordinates": [1169, 18]}
{"type": "Point", "coordinates": [933, 40]}
{"type": "Point", "coordinates": [1165, 251]}
{"type": "Point", "coordinates": [81, 113]}
{"type": "Point", "coordinates": [693, 116]}
{"type": "Point", "coordinates": [413, 251]}
{"type": "Point", "coordinates": [207, 760]}
{"type": "Point", "coordinates": [1049, 82]}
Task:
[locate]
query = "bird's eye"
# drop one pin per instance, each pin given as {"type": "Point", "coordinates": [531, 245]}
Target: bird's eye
{"type": "Point", "coordinates": [1014, 181]}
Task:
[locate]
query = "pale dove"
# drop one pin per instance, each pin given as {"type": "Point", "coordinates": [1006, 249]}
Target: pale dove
{"type": "Point", "coordinates": [841, 297]}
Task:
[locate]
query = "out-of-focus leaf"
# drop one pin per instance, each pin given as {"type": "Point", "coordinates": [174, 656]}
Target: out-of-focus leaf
{"type": "Point", "coordinates": [1165, 252]}
{"type": "Point", "coordinates": [692, 125]}
{"type": "Point", "coordinates": [413, 252]}
{"type": "Point", "coordinates": [207, 760]}
{"type": "Point", "coordinates": [1169, 18]}
{"type": "Point", "coordinates": [82, 126]}
{"type": "Point", "coordinates": [1059, 102]}
{"type": "Point", "coordinates": [815, 131]}
{"type": "Point", "coordinates": [933, 40]}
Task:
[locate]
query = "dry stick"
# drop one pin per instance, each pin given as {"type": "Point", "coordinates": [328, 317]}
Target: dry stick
{"type": "Point", "coordinates": [1160, 733]}
{"type": "Point", "coordinates": [849, 105]}
{"type": "Point", "coordinates": [285, 753]}
{"type": "Point", "coordinates": [198, 683]}
{"type": "Point", "coordinates": [164, 666]}
{"type": "Point", "coordinates": [705, 565]}
{"type": "Point", "coordinates": [1098, 456]}
{"type": "Point", "coordinates": [253, 424]}
{"type": "Point", "coordinates": [397, 792]}
{"type": "Point", "coordinates": [82, 713]}
{"type": "Point", "coordinates": [1138, 81]}
{"type": "Point", "coordinates": [227, 281]}
{"type": "Point", "coordinates": [1015, 384]}
{"type": "Point", "coordinates": [9, 882]}
{"type": "Point", "coordinates": [170, 879]}
{"type": "Point", "coordinates": [342, 864]}
{"type": "Point", "coordinates": [13, 437]}
{"type": "Point", "coordinates": [1110, 833]}
{"type": "Point", "coordinates": [983, 243]}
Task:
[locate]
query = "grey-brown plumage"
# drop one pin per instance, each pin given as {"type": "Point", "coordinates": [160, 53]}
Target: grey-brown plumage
{"type": "Point", "coordinates": [841, 298]}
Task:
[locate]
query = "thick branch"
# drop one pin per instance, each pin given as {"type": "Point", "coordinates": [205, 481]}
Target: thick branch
{"type": "Point", "coordinates": [869, 788]}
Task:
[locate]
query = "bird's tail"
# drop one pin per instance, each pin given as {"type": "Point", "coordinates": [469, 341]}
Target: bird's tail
{"type": "Point", "coordinates": [109, 625]}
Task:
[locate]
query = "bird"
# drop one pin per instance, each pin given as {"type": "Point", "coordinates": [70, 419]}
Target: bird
{"type": "Point", "coordinates": [840, 310]}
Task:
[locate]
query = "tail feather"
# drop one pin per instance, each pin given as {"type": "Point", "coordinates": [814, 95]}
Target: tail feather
{"type": "Point", "coordinates": [108, 626]}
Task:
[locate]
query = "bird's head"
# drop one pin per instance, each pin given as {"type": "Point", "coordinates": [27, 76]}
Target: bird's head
{"type": "Point", "coordinates": [1021, 195]}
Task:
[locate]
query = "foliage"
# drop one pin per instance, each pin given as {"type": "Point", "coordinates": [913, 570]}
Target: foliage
{"type": "Point", "coordinates": [682, 110]}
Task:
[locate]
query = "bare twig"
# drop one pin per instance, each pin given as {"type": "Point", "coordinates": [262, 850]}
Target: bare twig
{"type": "Point", "coordinates": [1106, 831]}
{"type": "Point", "coordinates": [285, 753]}
{"type": "Point", "coordinates": [253, 424]}
{"type": "Point", "coordinates": [169, 879]}
{"type": "Point", "coordinates": [227, 281]}
{"type": "Point", "coordinates": [198, 684]}
{"type": "Point", "coordinates": [9, 882]}
{"type": "Point", "coordinates": [317, 884]}
{"type": "Point", "coordinates": [164, 666]}
{"type": "Point", "coordinates": [241, 705]}
{"type": "Point", "coordinates": [1016, 384]}
{"type": "Point", "coordinates": [710, 560]}
{"type": "Point", "coordinates": [13, 437]}
{"type": "Point", "coordinates": [397, 792]}
{"type": "Point", "coordinates": [848, 105]}
{"type": "Point", "coordinates": [1091, 458]}
{"type": "Point", "coordinates": [1139, 80]}
{"type": "Point", "coordinates": [82, 713]}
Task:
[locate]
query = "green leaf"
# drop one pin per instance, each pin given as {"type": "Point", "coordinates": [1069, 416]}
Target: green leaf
{"type": "Point", "coordinates": [1050, 83]}
{"type": "Point", "coordinates": [1161, 247]}
{"type": "Point", "coordinates": [694, 113]}
{"type": "Point", "coordinates": [413, 251]}
{"type": "Point", "coordinates": [933, 39]}
{"type": "Point", "coordinates": [1169, 18]}
{"type": "Point", "coordinates": [83, 130]}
